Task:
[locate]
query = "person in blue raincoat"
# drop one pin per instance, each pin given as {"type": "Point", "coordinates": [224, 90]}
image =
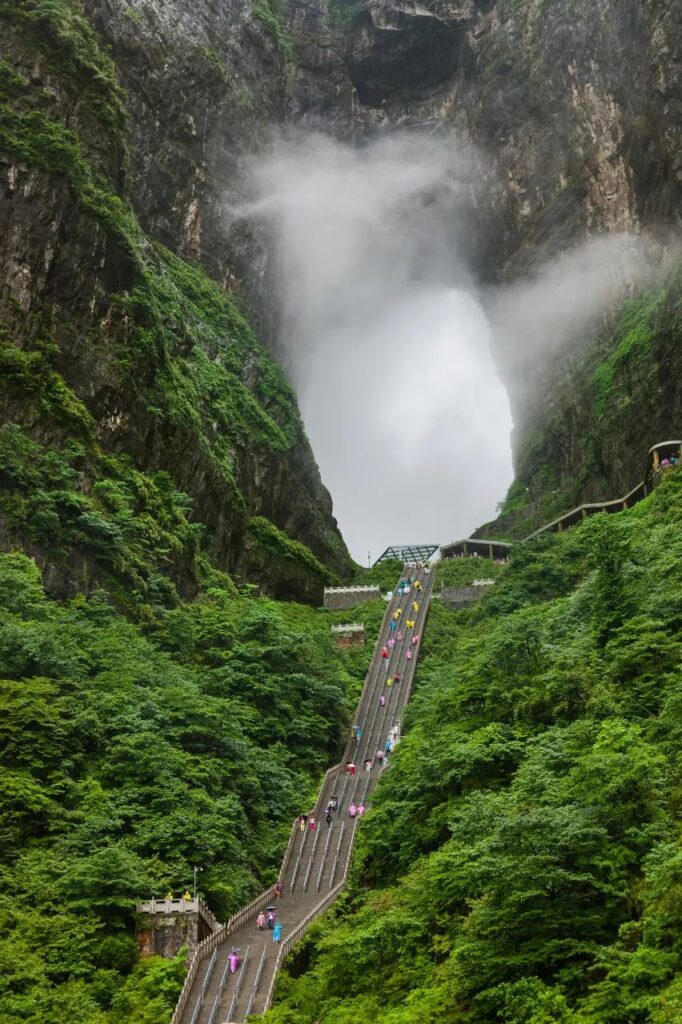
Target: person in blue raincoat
{"type": "Point", "coordinates": [277, 933]}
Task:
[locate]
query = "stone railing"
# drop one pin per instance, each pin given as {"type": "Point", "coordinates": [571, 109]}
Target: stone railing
{"type": "Point", "coordinates": [351, 627]}
{"type": "Point", "coordinates": [206, 947]}
{"type": "Point", "coordinates": [352, 590]}
{"type": "Point", "coordinates": [345, 597]}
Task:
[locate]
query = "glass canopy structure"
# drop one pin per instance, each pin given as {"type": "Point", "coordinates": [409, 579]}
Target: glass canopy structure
{"type": "Point", "coordinates": [408, 553]}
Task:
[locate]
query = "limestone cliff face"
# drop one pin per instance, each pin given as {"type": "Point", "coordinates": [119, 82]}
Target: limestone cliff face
{"type": "Point", "coordinates": [205, 86]}
{"type": "Point", "coordinates": [574, 109]}
{"type": "Point", "coordinates": [110, 346]}
{"type": "Point", "coordinates": [575, 112]}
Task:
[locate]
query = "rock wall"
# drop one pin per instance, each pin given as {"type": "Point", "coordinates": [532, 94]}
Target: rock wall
{"type": "Point", "coordinates": [111, 343]}
{"type": "Point", "coordinates": [574, 111]}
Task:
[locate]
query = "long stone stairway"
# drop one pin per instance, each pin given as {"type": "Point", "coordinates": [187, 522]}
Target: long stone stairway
{"type": "Point", "coordinates": [316, 862]}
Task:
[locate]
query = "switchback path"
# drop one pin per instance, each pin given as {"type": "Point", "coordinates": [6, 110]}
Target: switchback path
{"type": "Point", "coordinates": [316, 863]}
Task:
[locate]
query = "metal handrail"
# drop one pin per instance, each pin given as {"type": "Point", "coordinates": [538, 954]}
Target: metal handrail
{"type": "Point", "coordinates": [312, 857]}
{"type": "Point", "coordinates": [209, 972]}
{"type": "Point", "coordinates": [197, 1008]}
{"type": "Point", "coordinates": [324, 858]}
{"type": "Point", "coordinates": [259, 902]}
{"type": "Point", "coordinates": [212, 1015]}
{"type": "Point", "coordinates": [296, 935]}
{"type": "Point", "coordinates": [241, 972]}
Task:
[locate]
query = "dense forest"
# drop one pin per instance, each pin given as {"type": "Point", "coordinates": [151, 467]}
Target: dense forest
{"type": "Point", "coordinates": [522, 862]}
{"type": "Point", "coordinates": [128, 754]}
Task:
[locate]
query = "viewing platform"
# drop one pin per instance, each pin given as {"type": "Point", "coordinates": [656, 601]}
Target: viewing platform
{"type": "Point", "coordinates": [165, 926]}
{"type": "Point", "coordinates": [472, 548]}
{"type": "Point", "coordinates": [350, 634]}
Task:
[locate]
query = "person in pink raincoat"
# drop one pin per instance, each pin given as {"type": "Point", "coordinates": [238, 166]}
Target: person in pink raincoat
{"type": "Point", "coordinates": [234, 960]}
{"type": "Point", "coordinates": [391, 643]}
{"type": "Point", "coordinates": [409, 655]}
{"type": "Point", "coordinates": [352, 809]}
{"type": "Point", "coordinates": [415, 640]}
{"type": "Point", "coordinates": [382, 701]}
{"type": "Point", "coordinates": [260, 921]}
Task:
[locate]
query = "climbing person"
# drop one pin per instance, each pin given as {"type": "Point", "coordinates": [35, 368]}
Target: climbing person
{"type": "Point", "coordinates": [358, 733]}
{"type": "Point", "coordinates": [302, 821]}
{"type": "Point", "coordinates": [361, 809]}
{"type": "Point", "coordinates": [334, 803]}
{"type": "Point", "coordinates": [271, 919]}
{"type": "Point", "coordinates": [410, 623]}
{"type": "Point", "coordinates": [277, 933]}
{"type": "Point", "coordinates": [169, 895]}
{"type": "Point", "coordinates": [379, 757]}
{"type": "Point", "coordinates": [400, 635]}
{"type": "Point", "coordinates": [389, 681]}
{"type": "Point", "coordinates": [388, 745]}
{"type": "Point", "coordinates": [368, 764]}
{"type": "Point", "coordinates": [352, 809]}
{"type": "Point", "coordinates": [415, 639]}
{"type": "Point", "coordinates": [329, 817]}
{"type": "Point", "coordinates": [312, 824]}
{"type": "Point", "coordinates": [393, 625]}
{"type": "Point", "coordinates": [349, 768]}
{"type": "Point", "coordinates": [384, 652]}
{"type": "Point", "coordinates": [187, 897]}
{"type": "Point", "coordinates": [409, 655]}
{"type": "Point", "coordinates": [260, 921]}
{"type": "Point", "coordinates": [391, 643]}
{"type": "Point", "coordinates": [234, 960]}
{"type": "Point", "coordinates": [382, 701]}
{"type": "Point", "coordinates": [278, 889]}
{"type": "Point", "coordinates": [397, 677]}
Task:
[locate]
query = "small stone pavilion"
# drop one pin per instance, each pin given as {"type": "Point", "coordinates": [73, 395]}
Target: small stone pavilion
{"type": "Point", "coordinates": [165, 926]}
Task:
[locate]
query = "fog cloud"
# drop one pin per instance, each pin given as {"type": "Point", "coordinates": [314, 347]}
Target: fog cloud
{"type": "Point", "coordinates": [387, 342]}
{"type": "Point", "coordinates": [563, 303]}
{"type": "Point", "coordinates": [388, 339]}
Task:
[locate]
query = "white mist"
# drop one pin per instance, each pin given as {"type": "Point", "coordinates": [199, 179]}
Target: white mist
{"type": "Point", "coordinates": [388, 346]}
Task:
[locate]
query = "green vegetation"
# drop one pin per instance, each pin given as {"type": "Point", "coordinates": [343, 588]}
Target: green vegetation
{"type": "Point", "coordinates": [66, 41]}
{"type": "Point", "coordinates": [633, 338]}
{"type": "Point", "coordinates": [276, 544]}
{"type": "Point", "coordinates": [130, 753]}
{"type": "Point", "coordinates": [270, 12]}
{"type": "Point", "coordinates": [383, 575]}
{"type": "Point", "coordinates": [345, 14]}
{"type": "Point", "coordinates": [176, 356]}
{"type": "Point", "coordinates": [461, 572]}
{"type": "Point", "coordinates": [521, 861]}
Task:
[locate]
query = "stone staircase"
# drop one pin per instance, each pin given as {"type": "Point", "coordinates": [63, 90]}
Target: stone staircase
{"type": "Point", "coordinates": [316, 863]}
